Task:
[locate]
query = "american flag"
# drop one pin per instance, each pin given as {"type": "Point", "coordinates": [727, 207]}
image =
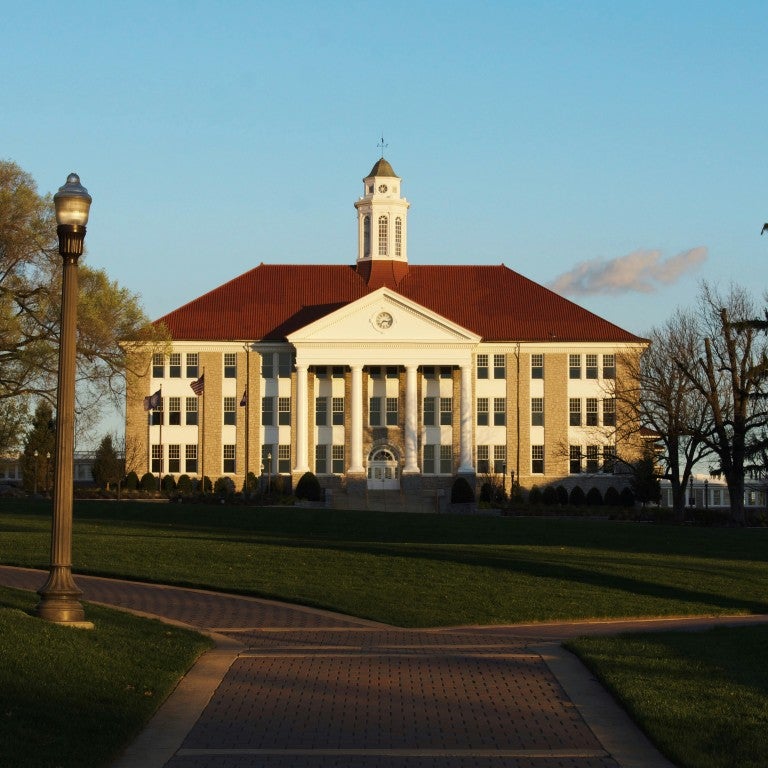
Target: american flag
{"type": "Point", "coordinates": [198, 386]}
{"type": "Point", "coordinates": [244, 399]}
{"type": "Point", "coordinates": [153, 402]}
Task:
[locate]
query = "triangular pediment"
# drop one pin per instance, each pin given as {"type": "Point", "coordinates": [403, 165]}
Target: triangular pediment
{"type": "Point", "coordinates": [384, 318]}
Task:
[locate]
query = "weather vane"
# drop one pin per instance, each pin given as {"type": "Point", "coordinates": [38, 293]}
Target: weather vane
{"type": "Point", "coordinates": [382, 145]}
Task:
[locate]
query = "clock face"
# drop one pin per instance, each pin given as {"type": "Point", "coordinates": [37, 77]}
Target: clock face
{"type": "Point", "coordinates": [382, 187]}
{"type": "Point", "coordinates": [383, 320]}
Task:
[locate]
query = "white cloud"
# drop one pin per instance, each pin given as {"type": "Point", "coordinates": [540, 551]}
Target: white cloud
{"type": "Point", "coordinates": [639, 271]}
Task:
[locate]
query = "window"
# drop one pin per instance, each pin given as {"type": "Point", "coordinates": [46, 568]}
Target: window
{"type": "Point", "coordinates": [230, 410]}
{"type": "Point", "coordinates": [321, 459]}
{"type": "Point", "coordinates": [190, 458]}
{"type": "Point", "coordinates": [609, 366]}
{"type": "Point", "coordinates": [338, 460]}
{"type": "Point", "coordinates": [267, 411]}
{"type": "Point", "coordinates": [267, 366]}
{"type": "Point", "coordinates": [446, 459]}
{"type": "Point", "coordinates": [429, 411]}
{"type": "Point", "coordinates": [482, 366]}
{"type": "Point", "coordinates": [174, 411]}
{"type": "Point", "coordinates": [609, 458]}
{"type": "Point", "coordinates": [321, 371]}
{"type": "Point", "coordinates": [574, 366]}
{"type": "Point", "coordinates": [191, 411]}
{"type": "Point", "coordinates": [283, 459]}
{"type": "Point", "coordinates": [374, 371]}
{"type": "Point", "coordinates": [367, 235]}
{"type": "Point", "coordinates": [446, 411]}
{"type": "Point", "coordinates": [284, 410]}
{"type": "Point", "coordinates": [337, 371]}
{"type": "Point", "coordinates": [284, 365]}
{"type": "Point", "coordinates": [398, 236]}
{"type": "Point", "coordinates": [391, 411]}
{"type": "Point", "coordinates": [483, 464]}
{"type": "Point", "coordinates": [446, 372]}
{"type": "Point", "coordinates": [383, 245]}
{"type": "Point", "coordinates": [593, 458]}
{"type": "Point", "coordinates": [338, 410]}
{"type": "Point", "coordinates": [174, 459]}
{"type": "Point", "coordinates": [392, 372]}
{"type": "Point", "coordinates": [157, 413]}
{"type": "Point", "coordinates": [428, 371]}
{"type": "Point", "coordinates": [537, 366]}
{"type": "Point", "coordinates": [158, 366]}
{"type": "Point", "coordinates": [229, 459]}
{"type": "Point", "coordinates": [574, 456]}
{"type": "Point", "coordinates": [609, 412]}
{"type": "Point", "coordinates": [499, 367]}
{"type": "Point", "coordinates": [500, 459]}
{"type": "Point", "coordinates": [230, 365]}
{"type": "Point", "coordinates": [591, 412]}
{"type": "Point", "coordinates": [157, 458]}
{"type": "Point", "coordinates": [537, 459]}
{"type": "Point", "coordinates": [499, 411]}
{"type": "Point", "coordinates": [482, 411]}
{"type": "Point", "coordinates": [321, 411]}
{"type": "Point", "coordinates": [174, 365]}
{"type": "Point", "coordinates": [193, 363]}
{"type": "Point", "coordinates": [591, 366]}
{"type": "Point", "coordinates": [574, 408]}
{"type": "Point", "coordinates": [374, 412]}
{"type": "Point", "coordinates": [537, 411]}
{"type": "Point", "coordinates": [428, 462]}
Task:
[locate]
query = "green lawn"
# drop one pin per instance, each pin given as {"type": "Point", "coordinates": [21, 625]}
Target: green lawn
{"type": "Point", "coordinates": [74, 698]}
{"type": "Point", "coordinates": [412, 570]}
{"type": "Point", "coordinates": [701, 696]}
{"type": "Point", "coordinates": [423, 570]}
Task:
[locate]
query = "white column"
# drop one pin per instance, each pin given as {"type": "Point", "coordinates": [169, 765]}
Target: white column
{"type": "Point", "coordinates": [301, 420]}
{"type": "Point", "coordinates": [465, 450]}
{"type": "Point", "coordinates": [356, 438]}
{"type": "Point", "coordinates": [411, 420]}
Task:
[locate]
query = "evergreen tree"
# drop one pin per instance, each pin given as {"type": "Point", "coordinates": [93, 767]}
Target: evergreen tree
{"type": "Point", "coordinates": [107, 467]}
{"type": "Point", "coordinates": [37, 470]}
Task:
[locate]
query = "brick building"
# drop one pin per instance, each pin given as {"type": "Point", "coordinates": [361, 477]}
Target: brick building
{"type": "Point", "coordinates": [384, 374]}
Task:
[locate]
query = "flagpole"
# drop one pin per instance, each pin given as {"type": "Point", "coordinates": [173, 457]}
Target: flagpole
{"type": "Point", "coordinates": [247, 413]}
{"type": "Point", "coordinates": [202, 438]}
{"type": "Point", "coordinates": [160, 465]}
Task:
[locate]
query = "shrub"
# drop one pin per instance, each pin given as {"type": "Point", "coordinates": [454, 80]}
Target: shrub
{"type": "Point", "coordinates": [148, 482]}
{"type": "Point", "coordinates": [612, 498]}
{"type": "Point", "coordinates": [534, 495]}
{"type": "Point", "coordinates": [280, 485]}
{"type": "Point", "coordinates": [577, 497]}
{"type": "Point", "coordinates": [184, 485]}
{"type": "Point", "coordinates": [207, 484]}
{"type": "Point", "coordinates": [224, 486]}
{"type": "Point", "coordinates": [461, 491]}
{"type": "Point", "coordinates": [169, 484]}
{"type": "Point", "coordinates": [627, 498]}
{"type": "Point", "coordinates": [251, 484]}
{"type": "Point", "coordinates": [131, 481]}
{"type": "Point", "coordinates": [486, 492]}
{"type": "Point", "coordinates": [549, 496]}
{"type": "Point", "coordinates": [309, 488]}
{"type": "Point", "coordinates": [594, 497]}
{"type": "Point", "coordinates": [562, 495]}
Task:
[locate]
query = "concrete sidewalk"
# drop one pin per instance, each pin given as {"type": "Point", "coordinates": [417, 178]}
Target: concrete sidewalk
{"type": "Point", "coordinates": [293, 686]}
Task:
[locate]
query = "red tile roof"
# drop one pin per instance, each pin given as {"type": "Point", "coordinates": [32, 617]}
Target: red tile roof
{"type": "Point", "coordinates": [272, 300]}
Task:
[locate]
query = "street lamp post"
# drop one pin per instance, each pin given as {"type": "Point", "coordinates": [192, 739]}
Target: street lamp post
{"type": "Point", "coordinates": [35, 454]}
{"type": "Point", "coordinates": [59, 595]}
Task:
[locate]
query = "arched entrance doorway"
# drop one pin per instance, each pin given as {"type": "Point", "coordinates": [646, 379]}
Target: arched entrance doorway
{"type": "Point", "coordinates": [383, 470]}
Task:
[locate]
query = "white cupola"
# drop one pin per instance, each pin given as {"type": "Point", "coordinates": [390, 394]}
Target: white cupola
{"type": "Point", "coordinates": [382, 217]}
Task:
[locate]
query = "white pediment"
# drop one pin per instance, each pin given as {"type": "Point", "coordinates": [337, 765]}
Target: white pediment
{"type": "Point", "coordinates": [385, 320]}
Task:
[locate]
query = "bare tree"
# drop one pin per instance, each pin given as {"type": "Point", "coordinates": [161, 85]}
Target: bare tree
{"type": "Point", "coordinates": [667, 403]}
{"type": "Point", "coordinates": [730, 374]}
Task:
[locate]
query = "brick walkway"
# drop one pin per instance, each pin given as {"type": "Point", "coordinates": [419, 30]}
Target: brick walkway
{"type": "Point", "coordinates": [295, 687]}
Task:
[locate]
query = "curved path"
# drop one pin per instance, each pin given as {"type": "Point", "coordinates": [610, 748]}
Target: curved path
{"type": "Point", "coordinates": [288, 686]}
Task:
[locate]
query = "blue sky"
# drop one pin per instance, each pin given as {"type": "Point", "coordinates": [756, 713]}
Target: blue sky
{"type": "Point", "coordinates": [614, 150]}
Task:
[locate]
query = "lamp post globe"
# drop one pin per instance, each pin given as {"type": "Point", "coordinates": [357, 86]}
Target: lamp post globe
{"type": "Point", "coordinates": [59, 596]}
